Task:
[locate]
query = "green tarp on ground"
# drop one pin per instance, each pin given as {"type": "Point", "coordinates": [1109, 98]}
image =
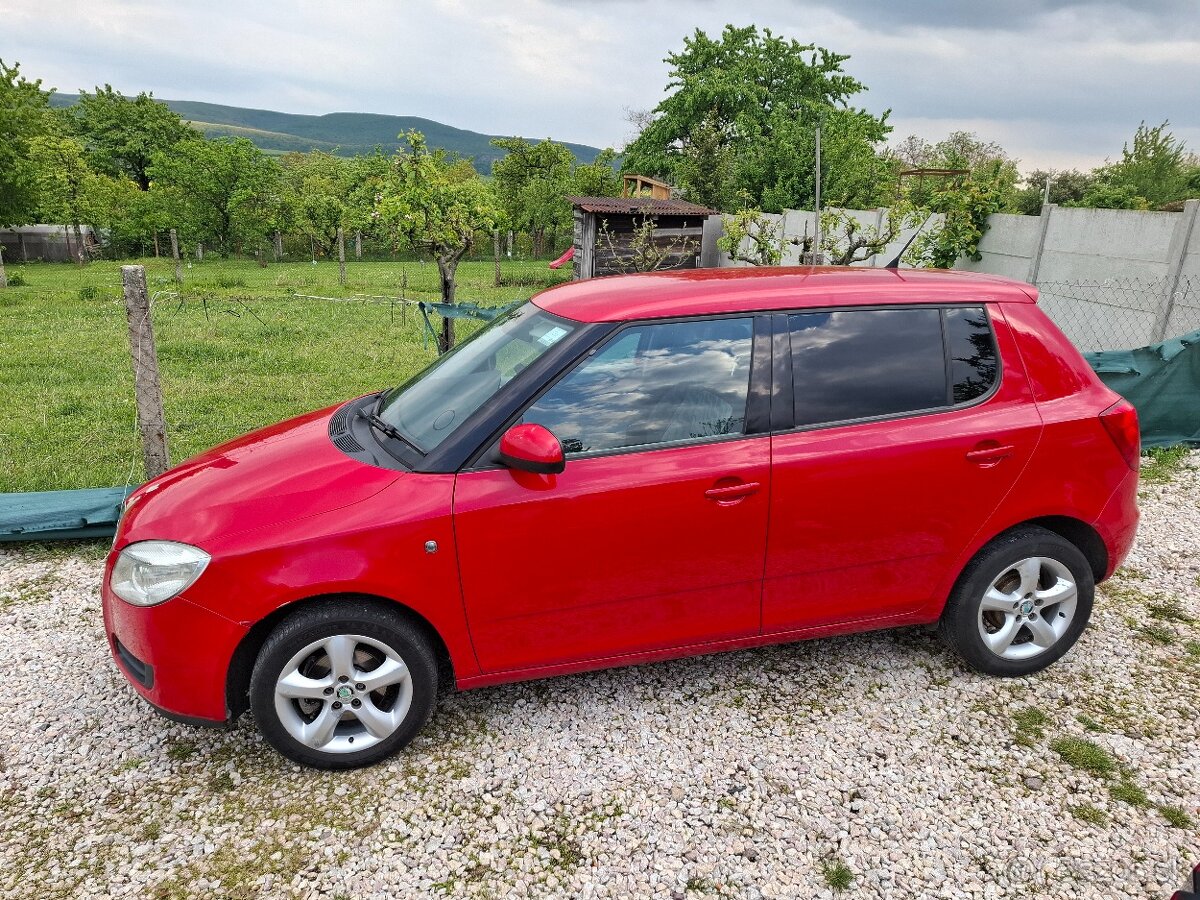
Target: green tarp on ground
{"type": "Point", "coordinates": [1163, 382]}
{"type": "Point", "coordinates": [61, 515]}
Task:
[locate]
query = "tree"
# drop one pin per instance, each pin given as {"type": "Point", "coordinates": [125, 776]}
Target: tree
{"type": "Point", "coordinates": [845, 240]}
{"type": "Point", "coordinates": [1156, 169]}
{"type": "Point", "coordinates": [68, 190]}
{"type": "Point", "coordinates": [123, 134]}
{"type": "Point", "coordinates": [436, 205]}
{"type": "Point", "coordinates": [316, 192]}
{"type": "Point", "coordinates": [532, 182]}
{"type": "Point", "coordinates": [24, 115]}
{"type": "Point", "coordinates": [961, 150]}
{"type": "Point", "coordinates": [739, 119]}
{"type": "Point", "coordinates": [599, 178]}
{"type": "Point", "coordinates": [752, 238]}
{"type": "Point", "coordinates": [1068, 187]}
{"type": "Point", "coordinates": [222, 192]}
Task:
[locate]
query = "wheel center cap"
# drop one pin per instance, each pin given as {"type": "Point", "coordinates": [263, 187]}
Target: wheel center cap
{"type": "Point", "coordinates": [345, 692]}
{"type": "Point", "coordinates": [1027, 607]}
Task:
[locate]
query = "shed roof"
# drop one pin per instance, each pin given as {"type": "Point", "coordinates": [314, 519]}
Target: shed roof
{"type": "Point", "coordinates": [646, 206]}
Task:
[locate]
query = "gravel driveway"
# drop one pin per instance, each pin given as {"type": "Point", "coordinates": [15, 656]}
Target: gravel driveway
{"type": "Point", "coordinates": [872, 764]}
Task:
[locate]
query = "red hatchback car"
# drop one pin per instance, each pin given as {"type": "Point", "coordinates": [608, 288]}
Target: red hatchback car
{"type": "Point", "coordinates": [631, 469]}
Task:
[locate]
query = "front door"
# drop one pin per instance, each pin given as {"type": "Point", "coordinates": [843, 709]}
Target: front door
{"type": "Point", "coordinates": [654, 536]}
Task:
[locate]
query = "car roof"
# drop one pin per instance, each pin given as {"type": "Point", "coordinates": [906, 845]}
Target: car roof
{"type": "Point", "coordinates": [693, 292]}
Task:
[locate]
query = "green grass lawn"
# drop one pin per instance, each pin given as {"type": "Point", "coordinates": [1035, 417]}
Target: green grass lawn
{"type": "Point", "coordinates": [239, 347]}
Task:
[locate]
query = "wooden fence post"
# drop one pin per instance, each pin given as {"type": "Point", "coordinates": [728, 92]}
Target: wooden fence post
{"type": "Point", "coordinates": [3, 277]}
{"type": "Point", "coordinates": [175, 256]}
{"type": "Point", "coordinates": [199, 252]}
{"type": "Point", "coordinates": [358, 245]}
{"type": "Point", "coordinates": [341, 255]}
{"type": "Point", "coordinates": [278, 246]}
{"type": "Point", "coordinates": [146, 387]}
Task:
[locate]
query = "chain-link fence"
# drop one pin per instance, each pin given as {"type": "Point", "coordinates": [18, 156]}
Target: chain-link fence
{"type": "Point", "coordinates": [1122, 313]}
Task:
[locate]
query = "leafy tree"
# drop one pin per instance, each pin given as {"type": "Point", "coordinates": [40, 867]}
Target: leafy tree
{"type": "Point", "coordinates": [965, 204]}
{"type": "Point", "coordinates": [68, 190]}
{"type": "Point", "coordinates": [751, 237]}
{"type": "Point", "coordinates": [316, 190]}
{"type": "Point", "coordinates": [24, 115]}
{"type": "Point", "coordinates": [1068, 187]}
{"type": "Point", "coordinates": [436, 205]}
{"type": "Point", "coordinates": [123, 134]}
{"type": "Point", "coordinates": [983, 161]}
{"type": "Point", "coordinates": [739, 119]}
{"type": "Point", "coordinates": [599, 178]}
{"type": "Point", "coordinates": [845, 240]}
{"type": "Point", "coordinates": [221, 192]}
{"type": "Point", "coordinates": [532, 182]}
{"type": "Point", "coordinates": [1157, 169]}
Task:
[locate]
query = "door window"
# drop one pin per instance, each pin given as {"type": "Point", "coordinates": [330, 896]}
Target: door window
{"type": "Point", "coordinates": [854, 364]}
{"type": "Point", "coordinates": [864, 363]}
{"type": "Point", "coordinates": [653, 384]}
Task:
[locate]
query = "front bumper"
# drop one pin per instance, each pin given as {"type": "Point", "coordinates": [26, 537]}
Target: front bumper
{"type": "Point", "coordinates": [176, 655]}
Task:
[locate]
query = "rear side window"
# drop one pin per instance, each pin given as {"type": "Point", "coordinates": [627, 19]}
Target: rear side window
{"type": "Point", "coordinates": [972, 353]}
{"type": "Point", "coordinates": [864, 363]}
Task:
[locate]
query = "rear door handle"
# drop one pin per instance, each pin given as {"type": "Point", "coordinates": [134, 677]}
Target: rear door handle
{"type": "Point", "coordinates": [990, 454]}
{"type": "Point", "coordinates": [732, 491]}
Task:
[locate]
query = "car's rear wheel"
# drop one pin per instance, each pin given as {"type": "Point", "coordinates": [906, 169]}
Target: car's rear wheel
{"type": "Point", "coordinates": [1020, 604]}
{"type": "Point", "coordinates": [343, 685]}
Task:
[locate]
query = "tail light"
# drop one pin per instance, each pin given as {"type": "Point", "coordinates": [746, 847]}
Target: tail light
{"type": "Point", "coordinates": [1121, 422]}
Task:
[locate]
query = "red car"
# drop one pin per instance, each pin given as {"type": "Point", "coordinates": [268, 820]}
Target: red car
{"type": "Point", "coordinates": [631, 469]}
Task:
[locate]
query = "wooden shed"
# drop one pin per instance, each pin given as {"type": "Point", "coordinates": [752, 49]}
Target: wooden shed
{"type": "Point", "coordinates": [608, 231]}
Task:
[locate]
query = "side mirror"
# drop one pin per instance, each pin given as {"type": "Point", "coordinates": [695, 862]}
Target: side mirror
{"type": "Point", "coordinates": [532, 448]}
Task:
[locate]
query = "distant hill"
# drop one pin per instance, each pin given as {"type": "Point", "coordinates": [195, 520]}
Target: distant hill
{"type": "Point", "coordinates": [345, 134]}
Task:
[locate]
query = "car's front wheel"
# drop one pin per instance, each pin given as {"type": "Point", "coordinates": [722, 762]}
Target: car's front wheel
{"type": "Point", "coordinates": [343, 685]}
{"type": "Point", "coordinates": [1020, 604]}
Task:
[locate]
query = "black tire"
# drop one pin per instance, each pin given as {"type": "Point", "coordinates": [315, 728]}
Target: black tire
{"type": "Point", "coordinates": [960, 622]}
{"type": "Point", "coordinates": [375, 622]}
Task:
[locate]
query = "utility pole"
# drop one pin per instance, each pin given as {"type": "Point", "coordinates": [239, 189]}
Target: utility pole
{"type": "Point", "coordinates": [817, 203]}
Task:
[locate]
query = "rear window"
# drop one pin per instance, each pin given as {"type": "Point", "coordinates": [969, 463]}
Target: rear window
{"type": "Point", "coordinates": [866, 363]}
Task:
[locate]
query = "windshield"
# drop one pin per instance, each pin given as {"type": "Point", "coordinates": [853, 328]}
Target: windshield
{"type": "Point", "coordinates": [430, 406]}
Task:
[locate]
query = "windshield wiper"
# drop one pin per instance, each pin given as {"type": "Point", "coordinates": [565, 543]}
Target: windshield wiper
{"type": "Point", "coordinates": [387, 428]}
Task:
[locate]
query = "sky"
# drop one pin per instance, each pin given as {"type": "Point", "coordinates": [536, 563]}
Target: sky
{"type": "Point", "coordinates": [1058, 83]}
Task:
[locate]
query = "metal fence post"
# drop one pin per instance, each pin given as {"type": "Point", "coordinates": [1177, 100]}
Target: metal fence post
{"type": "Point", "coordinates": [148, 391]}
{"type": "Point", "coordinates": [1035, 260]}
{"type": "Point", "coordinates": [1181, 239]}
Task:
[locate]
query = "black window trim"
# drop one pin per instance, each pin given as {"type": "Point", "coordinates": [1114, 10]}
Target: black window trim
{"type": "Point", "coordinates": [792, 428]}
{"type": "Point", "coordinates": [758, 393]}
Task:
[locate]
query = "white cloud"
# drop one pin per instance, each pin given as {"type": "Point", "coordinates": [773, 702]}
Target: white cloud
{"type": "Point", "coordinates": [1058, 82]}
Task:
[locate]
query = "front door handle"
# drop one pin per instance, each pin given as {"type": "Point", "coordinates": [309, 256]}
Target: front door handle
{"type": "Point", "coordinates": [730, 492]}
{"type": "Point", "coordinates": [990, 453]}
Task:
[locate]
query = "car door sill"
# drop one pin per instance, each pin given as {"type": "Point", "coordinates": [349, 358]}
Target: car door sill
{"type": "Point", "coordinates": [647, 656]}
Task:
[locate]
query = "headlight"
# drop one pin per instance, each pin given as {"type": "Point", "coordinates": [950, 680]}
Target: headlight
{"type": "Point", "coordinates": [150, 572]}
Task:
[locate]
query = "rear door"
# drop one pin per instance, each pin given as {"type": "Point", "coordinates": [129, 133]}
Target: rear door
{"type": "Point", "coordinates": [654, 535]}
{"type": "Point", "coordinates": [909, 429]}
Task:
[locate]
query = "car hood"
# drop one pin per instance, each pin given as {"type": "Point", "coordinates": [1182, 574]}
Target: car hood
{"type": "Point", "coordinates": [286, 471]}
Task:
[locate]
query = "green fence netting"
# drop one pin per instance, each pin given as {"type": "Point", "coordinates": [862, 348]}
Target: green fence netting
{"type": "Point", "coordinates": [61, 515]}
{"type": "Point", "coordinates": [1163, 382]}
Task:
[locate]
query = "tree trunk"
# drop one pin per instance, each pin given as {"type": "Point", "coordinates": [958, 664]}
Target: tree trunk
{"type": "Point", "coordinates": [447, 265]}
{"type": "Point", "coordinates": [278, 246]}
{"type": "Point", "coordinates": [358, 245]}
{"type": "Point", "coordinates": [175, 256]}
{"type": "Point", "coordinates": [80, 249]}
{"type": "Point", "coordinates": [3, 277]}
{"type": "Point", "coordinates": [156, 244]}
{"type": "Point", "coordinates": [24, 252]}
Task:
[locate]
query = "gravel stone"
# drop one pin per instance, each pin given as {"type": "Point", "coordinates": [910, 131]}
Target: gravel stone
{"type": "Point", "coordinates": [736, 775]}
